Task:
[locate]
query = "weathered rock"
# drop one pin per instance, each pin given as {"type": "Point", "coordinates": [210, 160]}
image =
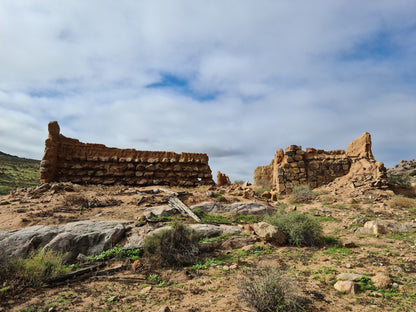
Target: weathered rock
{"type": "Point", "coordinates": [236, 242]}
{"type": "Point", "coordinates": [86, 237]}
{"type": "Point", "coordinates": [223, 179]}
{"type": "Point", "coordinates": [137, 236]}
{"type": "Point", "coordinates": [347, 287]}
{"type": "Point", "coordinates": [348, 244]}
{"type": "Point", "coordinates": [349, 277]}
{"type": "Point", "coordinates": [383, 227]}
{"type": "Point", "coordinates": [251, 208]}
{"type": "Point", "coordinates": [382, 281]}
{"type": "Point", "coordinates": [159, 211]}
{"type": "Point", "coordinates": [269, 233]}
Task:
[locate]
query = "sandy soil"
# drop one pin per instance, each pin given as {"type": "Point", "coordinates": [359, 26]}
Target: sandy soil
{"type": "Point", "coordinates": [339, 207]}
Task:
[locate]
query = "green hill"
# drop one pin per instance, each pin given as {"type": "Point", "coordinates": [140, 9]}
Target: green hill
{"type": "Point", "coordinates": [17, 172]}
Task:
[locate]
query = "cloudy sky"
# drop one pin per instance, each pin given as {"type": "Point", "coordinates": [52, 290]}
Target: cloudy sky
{"type": "Point", "coordinates": [235, 79]}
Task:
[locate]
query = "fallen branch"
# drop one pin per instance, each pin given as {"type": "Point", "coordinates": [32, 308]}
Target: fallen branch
{"type": "Point", "coordinates": [176, 203]}
{"type": "Point", "coordinates": [85, 272]}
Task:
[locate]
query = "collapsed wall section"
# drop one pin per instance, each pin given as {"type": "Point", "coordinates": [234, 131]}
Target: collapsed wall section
{"type": "Point", "coordinates": [314, 167]}
{"type": "Point", "coordinates": [69, 160]}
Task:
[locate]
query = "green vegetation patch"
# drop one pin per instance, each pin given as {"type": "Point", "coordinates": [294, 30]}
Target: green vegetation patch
{"type": "Point", "coordinates": [300, 228]}
{"type": "Point", "coordinates": [174, 247]}
{"type": "Point", "coordinates": [117, 252]}
{"type": "Point", "coordinates": [33, 270]}
{"type": "Point", "coordinates": [17, 172]}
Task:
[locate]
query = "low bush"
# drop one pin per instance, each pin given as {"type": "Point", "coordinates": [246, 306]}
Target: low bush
{"type": "Point", "coordinates": [35, 269]}
{"type": "Point", "coordinates": [174, 247]}
{"type": "Point", "coordinates": [401, 202]}
{"type": "Point", "coordinates": [399, 179]}
{"type": "Point", "coordinates": [301, 194]}
{"type": "Point", "coordinates": [300, 228]}
{"type": "Point", "coordinates": [270, 290]}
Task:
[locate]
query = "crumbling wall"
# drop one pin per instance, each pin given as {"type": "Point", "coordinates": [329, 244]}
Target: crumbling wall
{"type": "Point", "coordinates": [67, 159]}
{"type": "Point", "coordinates": [314, 167]}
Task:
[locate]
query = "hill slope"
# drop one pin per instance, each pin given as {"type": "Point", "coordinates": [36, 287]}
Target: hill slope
{"type": "Point", "coordinates": [17, 172]}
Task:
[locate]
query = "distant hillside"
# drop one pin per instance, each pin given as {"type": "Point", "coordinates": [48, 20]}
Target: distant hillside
{"type": "Point", "coordinates": [17, 172]}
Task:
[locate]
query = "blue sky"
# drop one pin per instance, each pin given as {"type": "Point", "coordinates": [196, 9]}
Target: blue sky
{"type": "Point", "coordinates": [234, 79]}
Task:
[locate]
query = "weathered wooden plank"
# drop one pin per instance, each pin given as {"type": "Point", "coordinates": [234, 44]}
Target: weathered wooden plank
{"type": "Point", "coordinates": [176, 203]}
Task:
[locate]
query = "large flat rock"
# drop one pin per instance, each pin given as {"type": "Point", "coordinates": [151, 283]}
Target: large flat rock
{"type": "Point", "coordinates": [86, 237]}
{"type": "Point", "coordinates": [250, 208]}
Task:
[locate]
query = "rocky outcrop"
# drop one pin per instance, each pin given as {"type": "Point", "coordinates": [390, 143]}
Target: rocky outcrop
{"type": "Point", "coordinates": [137, 235]}
{"type": "Point", "coordinates": [314, 167]}
{"type": "Point", "coordinates": [223, 179]}
{"type": "Point", "coordinates": [69, 160]}
{"type": "Point", "coordinates": [84, 237]}
{"type": "Point", "coordinates": [250, 208]}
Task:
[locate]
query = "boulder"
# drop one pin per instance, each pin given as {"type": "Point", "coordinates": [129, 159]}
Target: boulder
{"type": "Point", "coordinates": [86, 237]}
{"type": "Point", "coordinates": [349, 277]}
{"type": "Point", "coordinates": [383, 227]}
{"type": "Point", "coordinates": [382, 281]}
{"type": "Point", "coordinates": [347, 287]}
{"type": "Point", "coordinates": [137, 236]}
{"type": "Point", "coordinates": [269, 233]}
{"type": "Point", "coordinates": [236, 242]}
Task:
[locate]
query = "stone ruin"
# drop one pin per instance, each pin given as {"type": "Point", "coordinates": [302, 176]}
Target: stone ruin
{"type": "Point", "coordinates": [314, 167]}
{"type": "Point", "coordinates": [69, 160]}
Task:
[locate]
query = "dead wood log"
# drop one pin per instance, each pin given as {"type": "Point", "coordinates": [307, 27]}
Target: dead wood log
{"type": "Point", "coordinates": [83, 274]}
{"type": "Point", "coordinates": [176, 203]}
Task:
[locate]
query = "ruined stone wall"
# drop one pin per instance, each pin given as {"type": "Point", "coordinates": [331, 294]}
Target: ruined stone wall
{"type": "Point", "coordinates": [67, 159]}
{"type": "Point", "coordinates": [294, 166]}
{"type": "Point", "coordinates": [312, 167]}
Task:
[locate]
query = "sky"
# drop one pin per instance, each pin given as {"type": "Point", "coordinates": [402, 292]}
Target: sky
{"type": "Point", "coordinates": [235, 79]}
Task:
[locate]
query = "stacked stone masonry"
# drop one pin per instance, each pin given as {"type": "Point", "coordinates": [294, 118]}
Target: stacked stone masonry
{"type": "Point", "coordinates": [69, 160]}
{"type": "Point", "coordinates": [314, 167]}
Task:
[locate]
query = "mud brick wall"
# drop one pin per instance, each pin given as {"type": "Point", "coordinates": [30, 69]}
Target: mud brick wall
{"type": "Point", "coordinates": [69, 160]}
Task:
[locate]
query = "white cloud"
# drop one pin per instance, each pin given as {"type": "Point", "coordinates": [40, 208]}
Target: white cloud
{"type": "Point", "coordinates": [272, 73]}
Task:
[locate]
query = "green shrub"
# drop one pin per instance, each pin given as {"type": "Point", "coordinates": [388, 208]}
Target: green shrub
{"type": "Point", "coordinates": [399, 179]}
{"type": "Point", "coordinates": [300, 228]}
{"type": "Point", "coordinates": [301, 194]}
{"type": "Point", "coordinates": [36, 268]}
{"type": "Point", "coordinates": [270, 290]}
{"type": "Point", "coordinates": [174, 247]}
{"type": "Point", "coordinates": [117, 252]}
